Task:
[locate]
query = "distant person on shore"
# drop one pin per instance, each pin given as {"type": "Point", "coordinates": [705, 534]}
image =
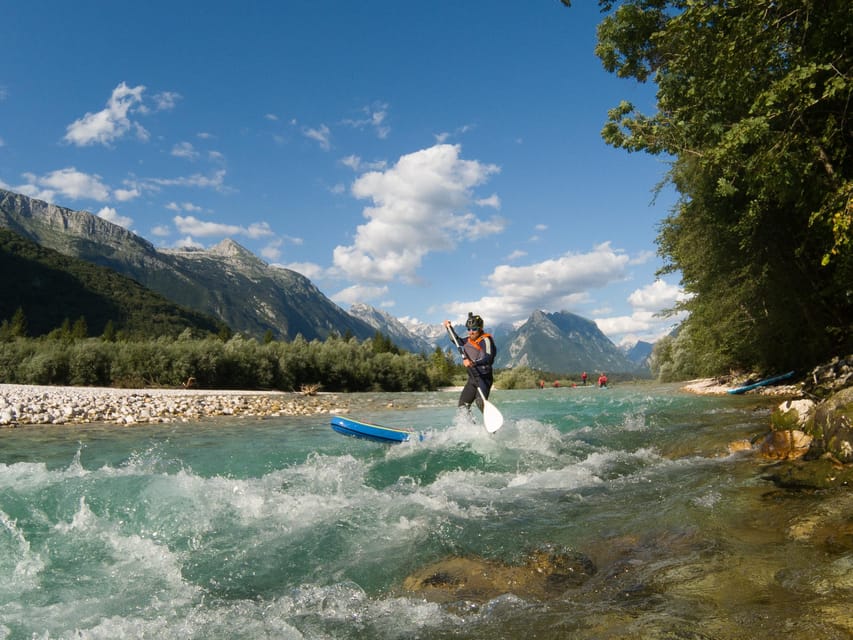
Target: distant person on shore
{"type": "Point", "coordinates": [478, 356]}
{"type": "Point", "coordinates": [583, 378]}
{"type": "Point", "coordinates": [602, 380]}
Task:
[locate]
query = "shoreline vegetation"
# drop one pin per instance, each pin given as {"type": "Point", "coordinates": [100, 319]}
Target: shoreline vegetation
{"type": "Point", "coordinates": [22, 405]}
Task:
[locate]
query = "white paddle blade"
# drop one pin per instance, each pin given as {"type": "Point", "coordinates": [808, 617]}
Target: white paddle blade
{"type": "Point", "coordinates": [492, 417]}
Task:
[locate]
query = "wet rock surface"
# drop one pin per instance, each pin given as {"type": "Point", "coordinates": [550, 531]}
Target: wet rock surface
{"type": "Point", "coordinates": [547, 573]}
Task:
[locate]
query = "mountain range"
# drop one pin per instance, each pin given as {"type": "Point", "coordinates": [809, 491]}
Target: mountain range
{"type": "Point", "coordinates": [229, 283]}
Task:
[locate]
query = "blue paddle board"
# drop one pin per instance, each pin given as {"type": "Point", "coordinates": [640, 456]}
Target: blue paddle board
{"type": "Point", "coordinates": [761, 383]}
{"type": "Point", "coordinates": [368, 431]}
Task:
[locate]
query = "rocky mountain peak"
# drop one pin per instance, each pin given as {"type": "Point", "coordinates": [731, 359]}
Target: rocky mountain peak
{"type": "Point", "coordinates": [228, 248]}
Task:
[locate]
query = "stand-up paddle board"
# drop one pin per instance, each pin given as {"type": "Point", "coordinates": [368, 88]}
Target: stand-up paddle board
{"type": "Point", "coordinates": [761, 383]}
{"type": "Point", "coordinates": [378, 433]}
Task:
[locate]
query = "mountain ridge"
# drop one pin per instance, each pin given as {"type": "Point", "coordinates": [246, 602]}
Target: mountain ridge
{"type": "Point", "coordinates": [255, 298]}
{"type": "Point", "coordinates": [233, 285]}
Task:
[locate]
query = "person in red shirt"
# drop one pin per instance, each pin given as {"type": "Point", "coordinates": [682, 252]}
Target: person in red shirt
{"type": "Point", "coordinates": [602, 380]}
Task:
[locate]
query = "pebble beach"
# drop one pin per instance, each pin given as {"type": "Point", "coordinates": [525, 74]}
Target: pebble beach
{"type": "Point", "coordinates": [30, 405]}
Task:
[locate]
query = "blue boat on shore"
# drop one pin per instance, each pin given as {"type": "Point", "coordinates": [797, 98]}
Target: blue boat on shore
{"type": "Point", "coordinates": [761, 383]}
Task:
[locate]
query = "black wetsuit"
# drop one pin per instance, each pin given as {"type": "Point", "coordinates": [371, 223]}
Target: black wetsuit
{"type": "Point", "coordinates": [481, 352]}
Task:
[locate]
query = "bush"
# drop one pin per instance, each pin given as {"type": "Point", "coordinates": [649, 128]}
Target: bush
{"type": "Point", "coordinates": [517, 378]}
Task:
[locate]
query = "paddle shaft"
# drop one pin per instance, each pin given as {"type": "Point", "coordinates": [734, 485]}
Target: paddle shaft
{"type": "Point", "coordinates": [462, 351]}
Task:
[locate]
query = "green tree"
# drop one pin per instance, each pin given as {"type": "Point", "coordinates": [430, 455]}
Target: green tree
{"type": "Point", "coordinates": [109, 334]}
{"type": "Point", "coordinates": [18, 325]}
{"type": "Point", "coordinates": [753, 109]}
{"type": "Point", "coordinates": [80, 329]}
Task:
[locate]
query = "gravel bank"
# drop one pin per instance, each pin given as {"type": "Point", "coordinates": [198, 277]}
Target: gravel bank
{"type": "Point", "coordinates": [26, 404]}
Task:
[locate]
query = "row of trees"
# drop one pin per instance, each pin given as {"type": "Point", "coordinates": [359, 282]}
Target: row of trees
{"type": "Point", "coordinates": [754, 110]}
{"type": "Point", "coordinates": [336, 364]}
{"type": "Point", "coordinates": [68, 356]}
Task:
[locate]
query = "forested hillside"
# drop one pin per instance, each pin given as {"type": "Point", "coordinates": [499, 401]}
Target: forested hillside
{"type": "Point", "coordinates": [46, 289]}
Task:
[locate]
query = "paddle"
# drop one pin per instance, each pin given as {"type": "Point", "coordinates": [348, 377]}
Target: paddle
{"type": "Point", "coordinates": [492, 417]}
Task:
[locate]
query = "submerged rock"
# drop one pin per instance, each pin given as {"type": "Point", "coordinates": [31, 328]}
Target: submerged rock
{"type": "Point", "coordinates": [547, 573]}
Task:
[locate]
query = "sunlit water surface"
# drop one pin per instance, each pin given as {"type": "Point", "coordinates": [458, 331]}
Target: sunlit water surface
{"type": "Point", "coordinates": [282, 528]}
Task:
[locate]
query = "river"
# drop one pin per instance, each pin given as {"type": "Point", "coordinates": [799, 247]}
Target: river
{"type": "Point", "coordinates": [282, 528]}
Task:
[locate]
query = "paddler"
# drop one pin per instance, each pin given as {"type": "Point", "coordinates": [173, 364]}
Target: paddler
{"type": "Point", "coordinates": [478, 356]}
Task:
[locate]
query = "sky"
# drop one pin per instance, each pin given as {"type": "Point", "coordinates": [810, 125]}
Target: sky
{"type": "Point", "coordinates": [425, 158]}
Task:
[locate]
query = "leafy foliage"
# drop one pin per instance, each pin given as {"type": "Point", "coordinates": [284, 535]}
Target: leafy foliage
{"type": "Point", "coordinates": [336, 364]}
{"type": "Point", "coordinates": [753, 108]}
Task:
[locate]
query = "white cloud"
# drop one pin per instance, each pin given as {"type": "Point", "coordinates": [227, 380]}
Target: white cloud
{"type": "Point", "coordinates": [640, 325]}
{"type": "Point", "coordinates": [321, 135]}
{"type": "Point", "coordinates": [166, 100]}
{"type": "Point", "coordinates": [188, 243]}
{"type": "Point", "coordinates": [375, 119]}
{"type": "Point", "coordinates": [185, 150]}
{"type": "Point", "coordinates": [111, 215]}
{"type": "Point", "coordinates": [355, 163]}
{"type": "Point", "coordinates": [258, 230]}
{"type": "Point", "coordinates": [492, 201]}
{"type": "Point", "coordinates": [193, 226]}
{"type": "Point", "coordinates": [182, 206]}
{"type": "Point", "coordinates": [310, 270]}
{"type": "Point", "coordinates": [272, 251]}
{"type": "Point", "coordinates": [416, 210]}
{"type": "Point", "coordinates": [643, 257]}
{"type": "Point", "coordinates": [203, 228]}
{"type": "Point", "coordinates": [553, 285]}
{"type": "Point", "coordinates": [111, 123]}
{"type": "Point", "coordinates": [444, 136]}
{"type": "Point", "coordinates": [74, 184]}
{"type": "Point", "coordinates": [215, 181]}
{"type": "Point", "coordinates": [656, 296]}
{"type": "Point", "coordinates": [161, 231]}
{"type": "Point", "coordinates": [360, 293]}
{"type": "Point", "coordinates": [645, 323]}
{"type": "Point", "coordinates": [123, 195]}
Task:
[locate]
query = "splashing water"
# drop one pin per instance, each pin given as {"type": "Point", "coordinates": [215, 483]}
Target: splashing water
{"type": "Point", "coordinates": [282, 528]}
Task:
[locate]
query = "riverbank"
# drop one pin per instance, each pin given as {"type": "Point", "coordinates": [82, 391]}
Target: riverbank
{"type": "Point", "coordinates": [42, 404]}
{"type": "Point", "coordinates": [30, 404]}
{"type": "Point", "coordinates": [714, 387]}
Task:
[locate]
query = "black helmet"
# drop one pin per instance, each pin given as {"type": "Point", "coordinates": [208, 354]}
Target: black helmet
{"type": "Point", "coordinates": [474, 322]}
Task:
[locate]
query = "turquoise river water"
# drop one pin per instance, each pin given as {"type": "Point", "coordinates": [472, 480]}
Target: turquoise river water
{"type": "Point", "coordinates": [282, 528]}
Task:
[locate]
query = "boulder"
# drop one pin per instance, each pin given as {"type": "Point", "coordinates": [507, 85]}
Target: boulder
{"type": "Point", "coordinates": [832, 427]}
{"type": "Point", "coordinates": [547, 573]}
{"type": "Point", "coordinates": [789, 444]}
{"type": "Point", "coordinates": [824, 473]}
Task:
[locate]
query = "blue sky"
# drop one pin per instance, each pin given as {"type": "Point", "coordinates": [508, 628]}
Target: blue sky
{"type": "Point", "coordinates": [427, 158]}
